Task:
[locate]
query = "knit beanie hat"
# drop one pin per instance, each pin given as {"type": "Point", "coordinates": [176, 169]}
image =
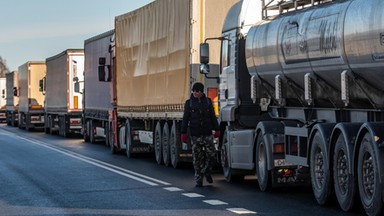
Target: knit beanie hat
{"type": "Point", "coordinates": [198, 87]}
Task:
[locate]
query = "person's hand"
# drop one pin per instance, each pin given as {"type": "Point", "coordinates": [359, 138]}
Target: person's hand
{"type": "Point", "coordinates": [184, 137]}
{"type": "Point", "coordinates": [216, 134]}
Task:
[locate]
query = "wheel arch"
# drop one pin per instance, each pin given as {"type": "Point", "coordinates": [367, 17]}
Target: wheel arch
{"type": "Point", "coordinates": [325, 130]}
{"type": "Point", "coordinates": [349, 132]}
{"type": "Point", "coordinates": [376, 131]}
{"type": "Point", "coordinates": [264, 128]}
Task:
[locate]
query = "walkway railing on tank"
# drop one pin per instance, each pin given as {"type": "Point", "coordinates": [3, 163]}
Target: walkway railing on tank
{"type": "Point", "coordinates": [275, 7]}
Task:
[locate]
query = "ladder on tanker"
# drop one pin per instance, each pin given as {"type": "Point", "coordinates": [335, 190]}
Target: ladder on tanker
{"type": "Point", "coordinates": [276, 7]}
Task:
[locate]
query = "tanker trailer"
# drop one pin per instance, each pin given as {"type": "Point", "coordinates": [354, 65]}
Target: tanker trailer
{"type": "Point", "coordinates": [302, 100]}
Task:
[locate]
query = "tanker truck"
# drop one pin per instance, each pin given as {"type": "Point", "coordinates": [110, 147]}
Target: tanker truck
{"type": "Point", "coordinates": [301, 98]}
{"type": "Point", "coordinates": [31, 96]}
{"type": "Point", "coordinates": [63, 105]}
{"type": "Point", "coordinates": [12, 100]}
{"type": "Point", "coordinates": [155, 61]}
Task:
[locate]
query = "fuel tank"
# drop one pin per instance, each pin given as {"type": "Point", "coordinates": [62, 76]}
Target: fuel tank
{"type": "Point", "coordinates": [323, 40]}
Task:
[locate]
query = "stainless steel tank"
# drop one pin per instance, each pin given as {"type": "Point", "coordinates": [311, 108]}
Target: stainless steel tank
{"type": "Point", "coordinates": [325, 40]}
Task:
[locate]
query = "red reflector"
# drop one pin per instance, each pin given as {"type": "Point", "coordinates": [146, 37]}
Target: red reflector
{"type": "Point", "coordinates": [278, 148]}
{"type": "Point", "coordinates": [293, 149]}
{"type": "Point", "coordinates": [287, 173]}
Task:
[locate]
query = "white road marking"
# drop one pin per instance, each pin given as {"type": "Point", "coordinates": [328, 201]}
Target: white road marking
{"type": "Point", "coordinates": [118, 170]}
{"type": "Point", "coordinates": [215, 202]}
{"type": "Point", "coordinates": [173, 189]}
{"type": "Point", "coordinates": [193, 195]}
{"type": "Point", "coordinates": [127, 173]}
{"type": "Point", "coordinates": [241, 211]}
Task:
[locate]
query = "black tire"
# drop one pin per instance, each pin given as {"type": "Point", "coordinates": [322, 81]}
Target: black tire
{"type": "Point", "coordinates": [91, 133]}
{"type": "Point", "coordinates": [368, 177]}
{"type": "Point", "coordinates": [27, 122]}
{"type": "Point", "coordinates": [174, 143]}
{"type": "Point", "coordinates": [62, 128]}
{"type": "Point", "coordinates": [50, 125]}
{"type": "Point", "coordinates": [157, 143]}
{"type": "Point", "coordinates": [47, 130]}
{"type": "Point", "coordinates": [263, 174]}
{"type": "Point", "coordinates": [320, 174]}
{"type": "Point", "coordinates": [112, 143]}
{"type": "Point", "coordinates": [107, 134]}
{"type": "Point", "coordinates": [128, 142]}
{"type": "Point", "coordinates": [230, 175]}
{"type": "Point", "coordinates": [165, 145]}
{"type": "Point", "coordinates": [86, 131]}
{"type": "Point", "coordinates": [344, 183]}
{"type": "Point", "coordinates": [224, 159]}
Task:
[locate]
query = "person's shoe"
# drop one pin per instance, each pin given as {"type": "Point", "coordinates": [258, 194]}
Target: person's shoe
{"type": "Point", "coordinates": [199, 184]}
{"type": "Point", "coordinates": [209, 178]}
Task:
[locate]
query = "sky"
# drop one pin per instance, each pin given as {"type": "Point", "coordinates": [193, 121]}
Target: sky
{"type": "Point", "coordinates": [33, 30]}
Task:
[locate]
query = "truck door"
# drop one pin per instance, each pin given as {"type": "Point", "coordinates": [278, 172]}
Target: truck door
{"type": "Point", "coordinates": [228, 86]}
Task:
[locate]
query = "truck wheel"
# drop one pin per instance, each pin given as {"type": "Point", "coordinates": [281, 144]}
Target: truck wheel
{"type": "Point", "coordinates": [111, 136]}
{"type": "Point", "coordinates": [262, 172]}
{"type": "Point", "coordinates": [320, 174]}
{"type": "Point", "coordinates": [27, 122]}
{"type": "Point", "coordinates": [86, 131]}
{"type": "Point", "coordinates": [128, 142]}
{"type": "Point", "coordinates": [157, 143]}
{"type": "Point", "coordinates": [174, 143]}
{"type": "Point", "coordinates": [107, 134]}
{"type": "Point", "coordinates": [62, 126]}
{"type": "Point", "coordinates": [344, 182]}
{"type": "Point", "coordinates": [50, 125]}
{"type": "Point", "coordinates": [46, 125]}
{"type": "Point", "coordinates": [370, 187]}
{"type": "Point", "coordinates": [91, 133]}
{"type": "Point", "coordinates": [225, 159]}
{"type": "Point", "coordinates": [228, 172]}
{"type": "Point", "coordinates": [165, 144]}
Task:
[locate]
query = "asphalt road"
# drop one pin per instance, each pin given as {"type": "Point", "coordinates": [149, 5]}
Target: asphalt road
{"type": "Point", "coordinates": [42, 174]}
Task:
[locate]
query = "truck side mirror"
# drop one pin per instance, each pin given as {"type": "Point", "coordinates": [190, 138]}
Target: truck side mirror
{"type": "Point", "coordinates": [102, 73]}
{"type": "Point", "coordinates": [204, 69]}
{"type": "Point", "coordinates": [77, 87]}
{"type": "Point", "coordinates": [76, 84]}
{"type": "Point", "coordinates": [204, 53]}
{"type": "Point", "coordinates": [15, 91]}
{"type": "Point", "coordinates": [102, 61]}
{"type": "Point", "coordinates": [42, 85]}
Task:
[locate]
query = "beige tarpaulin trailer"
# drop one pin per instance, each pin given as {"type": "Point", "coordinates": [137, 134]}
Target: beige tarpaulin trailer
{"type": "Point", "coordinates": [157, 51]}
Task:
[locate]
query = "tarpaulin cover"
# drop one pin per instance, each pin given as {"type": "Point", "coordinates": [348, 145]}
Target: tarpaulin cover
{"type": "Point", "coordinates": [156, 46]}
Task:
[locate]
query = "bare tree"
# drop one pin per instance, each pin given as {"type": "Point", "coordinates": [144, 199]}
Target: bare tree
{"type": "Point", "coordinates": [3, 67]}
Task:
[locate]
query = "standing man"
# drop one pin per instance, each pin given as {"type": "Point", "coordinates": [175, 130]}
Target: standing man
{"type": "Point", "coordinates": [200, 117]}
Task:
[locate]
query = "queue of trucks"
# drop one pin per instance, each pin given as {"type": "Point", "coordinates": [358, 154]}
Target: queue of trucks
{"type": "Point", "coordinates": [296, 85]}
{"type": "Point", "coordinates": [3, 87]}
